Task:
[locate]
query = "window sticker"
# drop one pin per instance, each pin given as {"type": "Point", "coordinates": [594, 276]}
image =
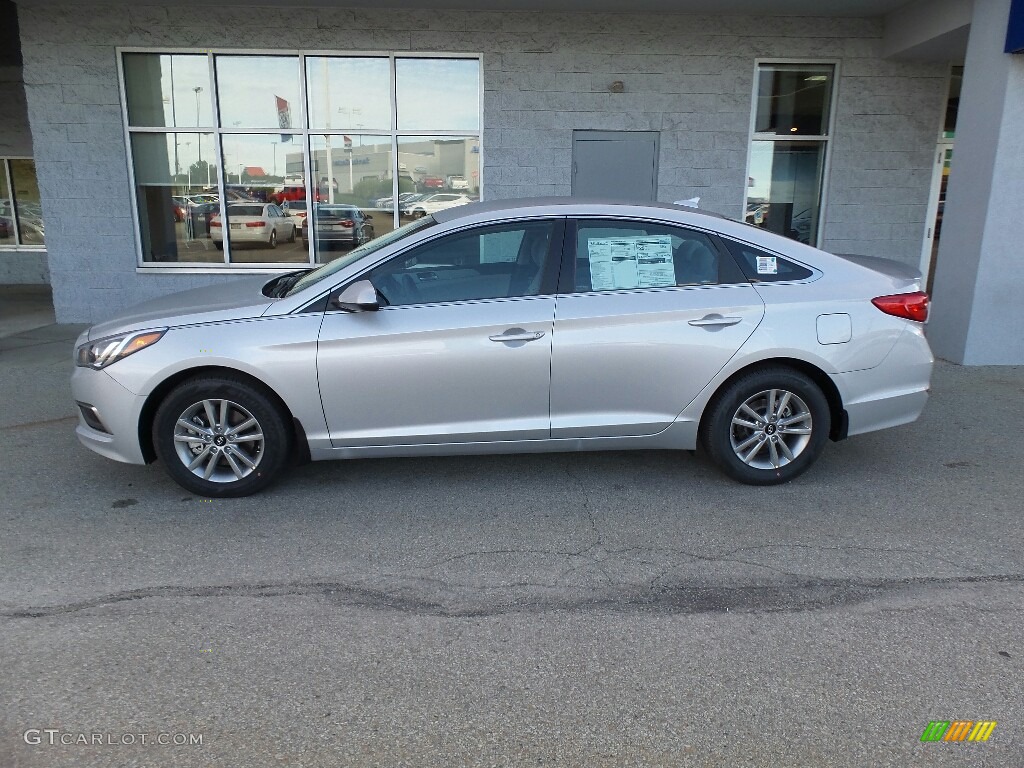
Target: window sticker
{"type": "Point", "coordinates": [644, 261]}
{"type": "Point", "coordinates": [767, 265]}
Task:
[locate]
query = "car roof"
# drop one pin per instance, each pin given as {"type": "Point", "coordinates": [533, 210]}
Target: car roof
{"type": "Point", "coordinates": [565, 206]}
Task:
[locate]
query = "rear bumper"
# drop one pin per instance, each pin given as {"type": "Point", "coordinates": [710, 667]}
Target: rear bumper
{"type": "Point", "coordinates": [893, 392]}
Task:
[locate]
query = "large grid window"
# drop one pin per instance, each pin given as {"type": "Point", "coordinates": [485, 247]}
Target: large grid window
{"type": "Point", "coordinates": [278, 159]}
{"type": "Point", "coordinates": [792, 124]}
{"type": "Point", "coordinates": [21, 215]}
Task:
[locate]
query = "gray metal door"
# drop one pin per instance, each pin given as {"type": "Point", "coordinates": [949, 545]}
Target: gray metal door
{"type": "Point", "coordinates": [615, 164]}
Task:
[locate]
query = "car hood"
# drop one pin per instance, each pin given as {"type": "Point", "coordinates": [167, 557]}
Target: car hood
{"type": "Point", "coordinates": [232, 300]}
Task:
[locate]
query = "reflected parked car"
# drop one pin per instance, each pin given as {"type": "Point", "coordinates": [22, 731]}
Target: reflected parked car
{"type": "Point", "coordinates": [434, 203]}
{"type": "Point", "coordinates": [442, 337]}
{"type": "Point", "coordinates": [297, 210]}
{"type": "Point", "coordinates": [339, 224]}
{"type": "Point", "coordinates": [263, 223]}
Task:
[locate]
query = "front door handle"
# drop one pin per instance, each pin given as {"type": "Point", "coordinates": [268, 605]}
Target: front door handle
{"type": "Point", "coordinates": [517, 334]}
{"type": "Point", "coordinates": [715, 321]}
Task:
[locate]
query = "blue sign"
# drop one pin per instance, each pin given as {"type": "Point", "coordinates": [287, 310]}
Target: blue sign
{"type": "Point", "coordinates": [1015, 33]}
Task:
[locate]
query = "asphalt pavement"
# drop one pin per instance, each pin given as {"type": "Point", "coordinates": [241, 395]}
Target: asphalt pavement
{"type": "Point", "coordinates": [603, 609]}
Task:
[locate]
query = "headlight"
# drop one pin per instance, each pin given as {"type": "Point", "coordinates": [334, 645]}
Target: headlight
{"type": "Point", "coordinates": [102, 352]}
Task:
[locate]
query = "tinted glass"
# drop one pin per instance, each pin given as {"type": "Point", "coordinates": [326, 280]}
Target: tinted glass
{"type": "Point", "coordinates": [169, 166]}
{"type": "Point", "coordinates": [349, 93]}
{"type": "Point", "coordinates": [785, 188]}
{"type": "Point", "coordinates": [618, 255]}
{"type": "Point", "coordinates": [353, 169]}
{"type": "Point", "coordinates": [438, 94]}
{"type": "Point", "coordinates": [442, 171]}
{"type": "Point", "coordinates": [258, 92]}
{"type": "Point", "coordinates": [7, 236]}
{"type": "Point", "coordinates": [793, 99]}
{"type": "Point", "coordinates": [495, 262]}
{"type": "Point", "coordinates": [170, 91]}
{"type": "Point", "coordinates": [761, 266]}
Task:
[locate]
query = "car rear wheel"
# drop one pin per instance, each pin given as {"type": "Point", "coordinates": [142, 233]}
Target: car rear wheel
{"type": "Point", "coordinates": [221, 437]}
{"type": "Point", "coordinates": [767, 427]}
{"type": "Point", "coordinates": [292, 238]}
{"type": "Point", "coordinates": [219, 245]}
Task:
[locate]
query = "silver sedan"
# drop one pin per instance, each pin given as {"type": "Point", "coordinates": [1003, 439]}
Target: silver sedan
{"type": "Point", "coordinates": [517, 326]}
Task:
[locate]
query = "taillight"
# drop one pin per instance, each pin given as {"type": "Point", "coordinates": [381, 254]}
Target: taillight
{"type": "Point", "coordinates": [347, 223]}
{"type": "Point", "coordinates": [912, 306]}
{"type": "Point", "coordinates": [255, 223]}
{"type": "Point", "coordinates": [214, 223]}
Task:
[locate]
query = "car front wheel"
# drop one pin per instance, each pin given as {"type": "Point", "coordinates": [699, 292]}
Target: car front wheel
{"type": "Point", "coordinates": [221, 437]}
{"type": "Point", "coordinates": [273, 239]}
{"type": "Point", "coordinates": [767, 427]}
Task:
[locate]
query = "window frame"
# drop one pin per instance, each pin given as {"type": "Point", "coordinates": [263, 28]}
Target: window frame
{"type": "Point", "coordinates": [729, 272]}
{"type": "Point", "coordinates": [302, 130]}
{"type": "Point", "coordinates": [5, 161]}
{"type": "Point", "coordinates": [824, 139]}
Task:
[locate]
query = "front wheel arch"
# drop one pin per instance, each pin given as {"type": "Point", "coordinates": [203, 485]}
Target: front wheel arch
{"type": "Point", "coordinates": [828, 388]}
{"type": "Point", "coordinates": [161, 391]}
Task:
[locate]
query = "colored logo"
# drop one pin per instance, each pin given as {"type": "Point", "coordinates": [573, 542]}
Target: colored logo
{"type": "Point", "coordinates": [958, 730]}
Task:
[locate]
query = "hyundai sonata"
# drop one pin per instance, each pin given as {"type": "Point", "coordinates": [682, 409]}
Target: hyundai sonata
{"type": "Point", "coordinates": [509, 327]}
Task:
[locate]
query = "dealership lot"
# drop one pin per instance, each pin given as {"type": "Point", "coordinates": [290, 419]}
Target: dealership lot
{"type": "Point", "coordinates": [578, 609]}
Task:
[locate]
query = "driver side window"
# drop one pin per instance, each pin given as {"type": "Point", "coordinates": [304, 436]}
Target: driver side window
{"type": "Point", "coordinates": [495, 262]}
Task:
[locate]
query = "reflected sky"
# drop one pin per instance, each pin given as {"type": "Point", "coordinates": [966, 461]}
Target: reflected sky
{"type": "Point", "coordinates": [438, 94]}
{"type": "Point", "coordinates": [349, 93]}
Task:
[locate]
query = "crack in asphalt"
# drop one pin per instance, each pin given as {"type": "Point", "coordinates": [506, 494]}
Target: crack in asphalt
{"type": "Point", "coordinates": [792, 596]}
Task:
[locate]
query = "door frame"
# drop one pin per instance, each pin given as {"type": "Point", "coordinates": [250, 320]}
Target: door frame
{"type": "Point", "coordinates": [589, 135]}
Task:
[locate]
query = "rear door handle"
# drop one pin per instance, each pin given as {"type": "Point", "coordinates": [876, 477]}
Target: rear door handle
{"type": "Point", "coordinates": [716, 321]}
{"type": "Point", "coordinates": [517, 334]}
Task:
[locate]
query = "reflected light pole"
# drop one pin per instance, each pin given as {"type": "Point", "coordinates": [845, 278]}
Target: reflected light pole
{"type": "Point", "coordinates": [197, 90]}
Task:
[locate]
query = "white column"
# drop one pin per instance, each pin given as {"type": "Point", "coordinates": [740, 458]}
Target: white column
{"type": "Point", "coordinates": [978, 310]}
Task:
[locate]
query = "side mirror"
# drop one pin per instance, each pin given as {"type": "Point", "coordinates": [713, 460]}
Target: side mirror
{"type": "Point", "coordinates": [361, 296]}
{"type": "Point", "coordinates": [367, 216]}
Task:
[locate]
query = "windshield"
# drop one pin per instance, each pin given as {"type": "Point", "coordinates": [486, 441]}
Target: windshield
{"type": "Point", "coordinates": [315, 276]}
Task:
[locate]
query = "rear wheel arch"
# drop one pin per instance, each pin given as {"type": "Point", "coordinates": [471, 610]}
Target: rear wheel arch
{"type": "Point", "coordinates": [814, 373]}
{"type": "Point", "coordinates": [159, 394]}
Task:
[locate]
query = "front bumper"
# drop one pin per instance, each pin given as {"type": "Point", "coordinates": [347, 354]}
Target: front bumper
{"type": "Point", "coordinates": [117, 408]}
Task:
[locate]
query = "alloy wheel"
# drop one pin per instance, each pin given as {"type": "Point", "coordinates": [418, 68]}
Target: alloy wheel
{"type": "Point", "coordinates": [771, 429]}
{"type": "Point", "coordinates": [218, 440]}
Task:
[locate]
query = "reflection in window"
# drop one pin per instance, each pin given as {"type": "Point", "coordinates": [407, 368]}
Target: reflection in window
{"type": "Point", "coordinates": [786, 165]}
{"type": "Point", "coordinates": [258, 91]}
{"type": "Point", "coordinates": [28, 211]}
{"type": "Point", "coordinates": [7, 234]}
{"type": "Point", "coordinates": [171, 91]}
{"type": "Point", "coordinates": [243, 134]}
{"type": "Point", "coordinates": [786, 188]}
{"type": "Point", "coordinates": [438, 94]}
{"type": "Point", "coordinates": [352, 192]}
{"type": "Point", "coordinates": [439, 172]}
{"type": "Point", "coordinates": [175, 200]}
{"type": "Point", "coordinates": [258, 229]}
{"type": "Point", "coordinates": [349, 93]}
{"type": "Point", "coordinates": [793, 99]}
{"type": "Point", "coordinates": [490, 263]}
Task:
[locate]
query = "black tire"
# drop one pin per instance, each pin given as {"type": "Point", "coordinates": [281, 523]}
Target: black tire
{"type": "Point", "coordinates": [219, 246]}
{"type": "Point", "coordinates": [292, 238]}
{"type": "Point", "coordinates": [272, 242]}
{"type": "Point", "coordinates": [806, 408]}
{"type": "Point", "coordinates": [269, 457]}
{"type": "Point", "coordinates": [418, 214]}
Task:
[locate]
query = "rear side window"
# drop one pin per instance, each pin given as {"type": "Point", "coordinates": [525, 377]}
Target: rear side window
{"type": "Point", "coordinates": [617, 255]}
{"type": "Point", "coordinates": [764, 267]}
